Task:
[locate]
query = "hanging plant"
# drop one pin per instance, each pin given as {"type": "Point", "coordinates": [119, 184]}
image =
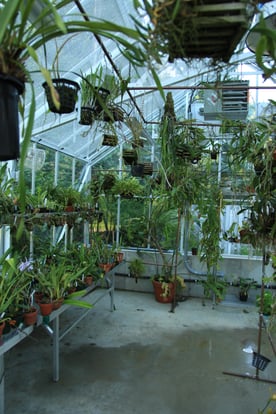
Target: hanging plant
{"type": "Point", "coordinates": [67, 91]}
{"type": "Point", "coordinates": [110, 140]}
{"type": "Point", "coordinates": [185, 29]}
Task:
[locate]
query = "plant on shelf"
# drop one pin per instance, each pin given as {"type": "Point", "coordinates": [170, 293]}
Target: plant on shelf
{"type": "Point", "coordinates": [93, 95]}
{"type": "Point", "coordinates": [82, 256]}
{"type": "Point", "coordinates": [7, 196]}
{"type": "Point", "coordinates": [12, 284]}
{"type": "Point", "coordinates": [104, 253]}
{"type": "Point", "coordinates": [26, 27]}
{"type": "Point", "coordinates": [56, 278]}
{"type": "Point", "coordinates": [67, 198]}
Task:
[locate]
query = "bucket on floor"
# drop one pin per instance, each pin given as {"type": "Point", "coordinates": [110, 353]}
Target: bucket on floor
{"type": "Point", "coordinates": [259, 361]}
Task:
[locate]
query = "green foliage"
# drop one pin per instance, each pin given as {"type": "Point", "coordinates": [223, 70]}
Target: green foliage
{"type": "Point", "coordinates": [246, 283]}
{"type": "Point", "coordinates": [127, 187]}
{"type": "Point", "coordinates": [12, 283]}
{"type": "Point", "coordinates": [136, 268]}
{"type": "Point", "coordinates": [268, 306]}
{"type": "Point", "coordinates": [210, 240]}
{"type": "Point", "coordinates": [214, 285]}
{"type": "Point", "coordinates": [55, 278]}
{"type": "Point", "coordinates": [265, 46]}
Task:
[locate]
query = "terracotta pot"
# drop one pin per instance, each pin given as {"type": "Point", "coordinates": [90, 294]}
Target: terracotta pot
{"type": "Point", "coordinates": [38, 296]}
{"type": "Point", "coordinates": [159, 292]}
{"type": "Point", "coordinates": [56, 304]}
{"type": "Point", "coordinates": [106, 266]}
{"type": "Point", "coordinates": [88, 280]}
{"type": "Point", "coordinates": [30, 317]}
{"type": "Point", "coordinates": [45, 308]}
{"type": "Point", "coordinates": [2, 327]}
{"type": "Point", "coordinates": [119, 257]}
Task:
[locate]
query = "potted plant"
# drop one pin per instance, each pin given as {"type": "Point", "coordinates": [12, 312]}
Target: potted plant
{"type": "Point", "coordinates": [12, 283]}
{"type": "Point", "coordinates": [245, 284]}
{"type": "Point", "coordinates": [82, 256]}
{"type": "Point", "coordinates": [267, 303]}
{"type": "Point", "coordinates": [93, 95]}
{"type": "Point", "coordinates": [136, 268]}
{"type": "Point", "coordinates": [67, 198]}
{"type": "Point", "coordinates": [166, 286]}
{"type": "Point", "coordinates": [104, 253]}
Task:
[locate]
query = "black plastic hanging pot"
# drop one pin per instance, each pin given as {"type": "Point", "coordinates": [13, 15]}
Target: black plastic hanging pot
{"type": "Point", "coordinates": [10, 89]}
{"type": "Point", "coordinates": [68, 95]}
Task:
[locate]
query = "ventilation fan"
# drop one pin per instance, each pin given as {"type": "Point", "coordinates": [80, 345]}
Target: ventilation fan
{"type": "Point", "coordinates": [35, 159]}
{"type": "Point", "coordinates": [226, 103]}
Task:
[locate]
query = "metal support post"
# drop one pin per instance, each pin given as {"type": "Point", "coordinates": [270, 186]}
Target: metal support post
{"type": "Point", "coordinates": [2, 388]}
{"type": "Point", "coordinates": [56, 349]}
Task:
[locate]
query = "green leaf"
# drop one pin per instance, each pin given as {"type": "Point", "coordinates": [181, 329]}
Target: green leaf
{"type": "Point", "coordinates": [76, 302]}
{"type": "Point", "coordinates": [6, 16]}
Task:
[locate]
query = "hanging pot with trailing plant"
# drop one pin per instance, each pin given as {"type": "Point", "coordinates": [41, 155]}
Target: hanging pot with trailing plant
{"type": "Point", "coordinates": [68, 95]}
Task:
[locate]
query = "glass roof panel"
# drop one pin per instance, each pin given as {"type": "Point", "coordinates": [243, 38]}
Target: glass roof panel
{"type": "Point", "coordinates": [82, 52]}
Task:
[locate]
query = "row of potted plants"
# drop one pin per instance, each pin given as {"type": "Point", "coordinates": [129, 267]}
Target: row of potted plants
{"type": "Point", "coordinates": [55, 278]}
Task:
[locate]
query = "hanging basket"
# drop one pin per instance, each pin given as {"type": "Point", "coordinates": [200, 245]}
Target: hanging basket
{"type": "Point", "coordinates": [86, 115]}
{"type": "Point", "coordinates": [130, 156]}
{"type": "Point", "coordinates": [193, 29]}
{"type": "Point", "coordinates": [114, 114]}
{"type": "Point", "coordinates": [259, 361]}
{"type": "Point", "coordinates": [100, 99]}
{"type": "Point", "coordinates": [110, 140]}
{"type": "Point", "coordinates": [148, 168]}
{"type": "Point", "coordinates": [68, 94]}
{"type": "Point", "coordinates": [137, 170]}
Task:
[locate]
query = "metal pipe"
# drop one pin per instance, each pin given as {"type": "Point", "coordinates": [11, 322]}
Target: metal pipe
{"type": "Point", "coordinates": [171, 87]}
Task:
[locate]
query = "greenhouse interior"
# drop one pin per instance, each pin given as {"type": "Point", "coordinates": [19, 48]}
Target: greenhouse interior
{"type": "Point", "coordinates": [138, 206]}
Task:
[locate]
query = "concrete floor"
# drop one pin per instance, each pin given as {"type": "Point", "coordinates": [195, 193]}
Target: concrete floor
{"type": "Point", "coordinates": [143, 359]}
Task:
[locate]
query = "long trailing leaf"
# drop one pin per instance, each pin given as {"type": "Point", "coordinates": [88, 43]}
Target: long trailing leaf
{"type": "Point", "coordinates": [76, 302]}
{"type": "Point", "coordinates": [27, 133]}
